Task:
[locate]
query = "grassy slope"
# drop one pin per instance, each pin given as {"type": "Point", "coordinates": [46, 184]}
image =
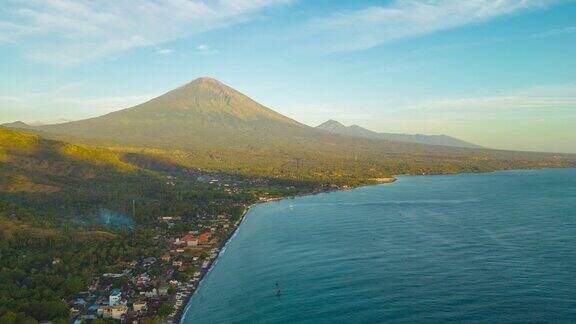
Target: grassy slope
{"type": "Point", "coordinates": [29, 163]}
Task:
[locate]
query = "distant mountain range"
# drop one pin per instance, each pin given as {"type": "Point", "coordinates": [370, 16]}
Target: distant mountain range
{"type": "Point", "coordinates": [207, 125]}
{"type": "Point", "coordinates": [357, 131]}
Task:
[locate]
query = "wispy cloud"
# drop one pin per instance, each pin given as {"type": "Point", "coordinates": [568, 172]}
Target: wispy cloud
{"type": "Point", "coordinates": [163, 51]}
{"type": "Point", "coordinates": [372, 26]}
{"type": "Point", "coordinates": [206, 49]}
{"type": "Point", "coordinates": [556, 32]}
{"type": "Point", "coordinates": [44, 107]}
{"type": "Point", "coordinates": [386, 114]}
{"type": "Point", "coordinates": [75, 31]}
{"type": "Point", "coordinates": [551, 96]}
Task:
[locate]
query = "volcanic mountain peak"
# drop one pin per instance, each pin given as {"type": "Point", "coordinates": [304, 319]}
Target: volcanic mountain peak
{"type": "Point", "coordinates": [205, 84]}
{"type": "Point", "coordinates": [204, 98]}
{"type": "Point", "coordinates": [331, 123]}
{"type": "Point", "coordinates": [202, 112]}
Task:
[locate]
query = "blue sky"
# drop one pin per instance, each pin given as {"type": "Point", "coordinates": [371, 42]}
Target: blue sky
{"type": "Point", "coordinates": [499, 73]}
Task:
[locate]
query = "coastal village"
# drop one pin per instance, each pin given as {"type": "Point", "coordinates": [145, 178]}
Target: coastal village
{"type": "Point", "coordinates": [156, 288]}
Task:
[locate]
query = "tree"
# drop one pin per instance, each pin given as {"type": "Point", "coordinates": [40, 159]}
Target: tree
{"type": "Point", "coordinates": [165, 310]}
{"type": "Point", "coordinates": [9, 318]}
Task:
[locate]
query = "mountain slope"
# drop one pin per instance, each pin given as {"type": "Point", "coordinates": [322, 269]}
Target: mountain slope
{"type": "Point", "coordinates": [29, 163]}
{"type": "Point", "coordinates": [210, 126]}
{"type": "Point", "coordinates": [357, 131]}
{"type": "Point", "coordinates": [187, 116]}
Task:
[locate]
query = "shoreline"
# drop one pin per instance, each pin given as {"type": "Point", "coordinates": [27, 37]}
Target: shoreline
{"type": "Point", "coordinates": [180, 315]}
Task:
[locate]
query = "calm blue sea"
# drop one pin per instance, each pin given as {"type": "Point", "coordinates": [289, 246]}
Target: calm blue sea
{"type": "Point", "coordinates": [488, 248]}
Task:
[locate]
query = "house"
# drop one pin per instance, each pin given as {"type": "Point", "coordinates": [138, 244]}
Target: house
{"type": "Point", "coordinates": [190, 240]}
{"type": "Point", "coordinates": [148, 261]}
{"type": "Point", "coordinates": [116, 312]}
{"type": "Point", "coordinates": [115, 297]}
{"type": "Point", "coordinates": [163, 290]}
{"type": "Point", "coordinates": [150, 294]}
{"type": "Point", "coordinates": [177, 263]}
{"type": "Point", "coordinates": [116, 275]}
{"type": "Point", "coordinates": [94, 285]}
{"type": "Point", "coordinates": [143, 279]}
{"type": "Point", "coordinates": [92, 309]}
{"type": "Point", "coordinates": [166, 257]}
{"type": "Point", "coordinates": [204, 238]}
{"type": "Point", "coordinates": [170, 218]}
{"type": "Point", "coordinates": [104, 311]}
{"type": "Point", "coordinates": [140, 306]}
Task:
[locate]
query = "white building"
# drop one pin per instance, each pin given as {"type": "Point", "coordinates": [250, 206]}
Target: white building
{"type": "Point", "coordinates": [115, 297]}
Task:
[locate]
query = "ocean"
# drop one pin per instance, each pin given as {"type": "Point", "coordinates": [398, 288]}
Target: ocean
{"type": "Point", "coordinates": [490, 248]}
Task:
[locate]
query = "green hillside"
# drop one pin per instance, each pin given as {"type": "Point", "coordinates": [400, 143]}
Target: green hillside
{"type": "Point", "coordinates": [208, 125]}
{"type": "Point", "coordinates": [56, 205]}
{"type": "Point", "coordinates": [29, 163]}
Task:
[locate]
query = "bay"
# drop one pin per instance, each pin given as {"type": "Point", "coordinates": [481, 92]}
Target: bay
{"type": "Point", "coordinates": [495, 247]}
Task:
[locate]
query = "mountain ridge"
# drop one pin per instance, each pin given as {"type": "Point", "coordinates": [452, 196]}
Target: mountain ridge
{"type": "Point", "coordinates": [334, 126]}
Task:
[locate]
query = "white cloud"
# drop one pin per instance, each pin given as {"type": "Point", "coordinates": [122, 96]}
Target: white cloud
{"type": "Point", "coordinates": [75, 31]}
{"type": "Point", "coordinates": [164, 51]}
{"type": "Point", "coordinates": [372, 26]}
{"type": "Point", "coordinates": [206, 49]}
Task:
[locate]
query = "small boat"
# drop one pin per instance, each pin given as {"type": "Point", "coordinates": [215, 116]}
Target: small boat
{"type": "Point", "coordinates": [278, 290]}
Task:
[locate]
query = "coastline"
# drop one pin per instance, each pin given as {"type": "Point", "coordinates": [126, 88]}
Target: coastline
{"type": "Point", "coordinates": [181, 313]}
{"type": "Point", "coordinates": [221, 288]}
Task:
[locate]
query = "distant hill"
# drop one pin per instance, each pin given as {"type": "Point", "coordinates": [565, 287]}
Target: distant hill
{"type": "Point", "coordinates": [207, 125]}
{"type": "Point", "coordinates": [357, 131]}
